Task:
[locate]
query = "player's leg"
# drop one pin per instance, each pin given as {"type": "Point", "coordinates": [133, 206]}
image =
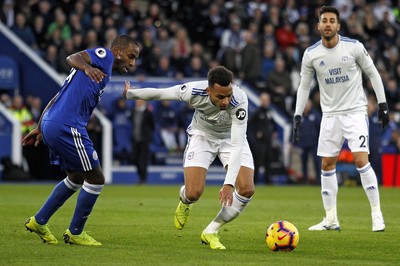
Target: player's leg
{"type": "Point", "coordinates": [242, 195]}
{"type": "Point", "coordinates": [199, 154]}
{"type": "Point", "coordinates": [38, 223]}
{"type": "Point", "coordinates": [357, 135]}
{"type": "Point", "coordinates": [244, 190]}
{"type": "Point", "coordinates": [91, 189]}
{"type": "Point", "coordinates": [370, 185]}
{"type": "Point", "coordinates": [62, 191]}
{"type": "Point", "coordinates": [329, 190]}
{"type": "Point", "coordinates": [195, 179]}
{"type": "Point", "coordinates": [329, 144]}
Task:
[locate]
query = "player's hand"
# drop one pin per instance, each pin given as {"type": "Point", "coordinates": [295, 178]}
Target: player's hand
{"type": "Point", "coordinates": [226, 195]}
{"type": "Point", "coordinates": [95, 74]}
{"type": "Point", "coordinates": [127, 86]}
{"type": "Point", "coordinates": [383, 114]}
{"type": "Point", "coordinates": [296, 127]}
{"type": "Point", "coordinates": [34, 137]}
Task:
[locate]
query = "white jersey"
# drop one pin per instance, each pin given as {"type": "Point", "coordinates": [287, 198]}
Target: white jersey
{"type": "Point", "coordinates": [208, 118]}
{"type": "Point", "coordinates": [339, 74]}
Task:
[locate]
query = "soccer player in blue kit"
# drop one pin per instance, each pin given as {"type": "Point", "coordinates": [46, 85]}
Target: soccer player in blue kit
{"type": "Point", "coordinates": [62, 127]}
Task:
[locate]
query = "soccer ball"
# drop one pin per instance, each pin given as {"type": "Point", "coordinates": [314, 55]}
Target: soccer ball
{"type": "Point", "coordinates": [282, 235]}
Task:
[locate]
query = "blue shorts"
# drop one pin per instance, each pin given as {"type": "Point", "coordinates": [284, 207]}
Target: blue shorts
{"type": "Point", "coordinates": [69, 147]}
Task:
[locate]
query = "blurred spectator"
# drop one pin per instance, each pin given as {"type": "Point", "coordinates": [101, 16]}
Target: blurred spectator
{"type": "Point", "coordinates": [36, 109]}
{"type": "Point", "coordinates": [66, 50]}
{"type": "Point", "coordinates": [131, 10]}
{"type": "Point", "coordinates": [291, 12]}
{"type": "Point", "coordinates": [250, 67]}
{"type": "Point", "coordinates": [383, 9]}
{"type": "Point", "coordinates": [96, 24]}
{"type": "Point", "coordinates": [24, 30]}
{"type": "Point", "coordinates": [22, 113]}
{"type": "Point", "coordinates": [90, 40]}
{"type": "Point", "coordinates": [110, 35]}
{"type": "Point", "coordinates": [309, 129]}
{"type": "Point", "coordinates": [164, 42]}
{"type": "Point", "coordinates": [81, 12]}
{"type": "Point", "coordinates": [51, 57]}
{"type": "Point", "coordinates": [279, 84]}
{"type": "Point", "coordinates": [232, 43]}
{"type": "Point", "coordinates": [5, 99]}
{"type": "Point", "coordinates": [142, 135]}
{"type": "Point", "coordinates": [44, 9]}
{"type": "Point", "coordinates": [77, 38]}
{"type": "Point", "coordinates": [213, 24]}
{"type": "Point", "coordinates": [146, 52]}
{"type": "Point", "coordinates": [39, 30]}
{"type": "Point", "coordinates": [7, 13]}
{"type": "Point", "coordinates": [392, 91]}
{"type": "Point", "coordinates": [167, 120]}
{"type": "Point", "coordinates": [198, 51]}
{"type": "Point", "coordinates": [185, 118]}
{"type": "Point", "coordinates": [164, 68]}
{"type": "Point", "coordinates": [274, 17]}
{"type": "Point", "coordinates": [262, 129]}
{"type": "Point", "coordinates": [195, 68]}
{"type": "Point", "coordinates": [285, 36]}
{"type": "Point", "coordinates": [60, 24]}
{"type": "Point", "coordinates": [122, 130]}
{"type": "Point", "coordinates": [268, 60]}
{"type": "Point", "coordinates": [76, 24]}
{"type": "Point", "coordinates": [182, 44]}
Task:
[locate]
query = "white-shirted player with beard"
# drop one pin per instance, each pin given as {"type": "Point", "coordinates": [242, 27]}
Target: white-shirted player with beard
{"type": "Point", "coordinates": [338, 63]}
{"type": "Point", "coordinates": [218, 128]}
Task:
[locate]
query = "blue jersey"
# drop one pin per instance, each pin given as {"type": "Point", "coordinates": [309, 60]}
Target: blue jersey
{"type": "Point", "coordinates": [64, 124]}
{"type": "Point", "coordinates": [79, 95]}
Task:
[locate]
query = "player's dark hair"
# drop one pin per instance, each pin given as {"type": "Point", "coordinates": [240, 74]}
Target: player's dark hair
{"type": "Point", "coordinates": [329, 9]}
{"type": "Point", "coordinates": [219, 75]}
{"type": "Point", "coordinates": [123, 41]}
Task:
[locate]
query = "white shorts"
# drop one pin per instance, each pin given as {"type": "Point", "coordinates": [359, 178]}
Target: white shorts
{"type": "Point", "coordinates": [201, 151]}
{"type": "Point", "coordinates": [336, 128]}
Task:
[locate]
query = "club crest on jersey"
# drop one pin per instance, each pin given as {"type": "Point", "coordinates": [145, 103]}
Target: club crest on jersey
{"type": "Point", "coordinates": [190, 155]}
{"type": "Point", "coordinates": [345, 59]}
{"type": "Point", "coordinates": [241, 114]}
{"type": "Point", "coordinates": [183, 89]}
{"type": "Point", "coordinates": [100, 52]}
{"type": "Point", "coordinates": [95, 156]}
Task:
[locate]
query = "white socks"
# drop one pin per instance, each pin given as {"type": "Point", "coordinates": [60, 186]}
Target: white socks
{"type": "Point", "coordinates": [228, 213]}
{"type": "Point", "coordinates": [329, 190]}
{"type": "Point", "coordinates": [370, 185]}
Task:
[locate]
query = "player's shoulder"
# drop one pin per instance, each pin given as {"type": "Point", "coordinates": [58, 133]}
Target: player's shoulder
{"type": "Point", "coordinates": [100, 52]}
{"type": "Point", "coordinates": [195, 87]}
{"type": "Point", "coordinates": [348, 40]}
{"type": "Point", "coordinates": [239, 95]}
{"type": "Point", "coordinates": [314, 46]}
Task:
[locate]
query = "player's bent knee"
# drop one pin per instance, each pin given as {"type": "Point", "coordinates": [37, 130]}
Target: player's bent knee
{"type": "Point", "coordinates": [246, 192]}
{"type": "Point", "coordinates": [94, 176]}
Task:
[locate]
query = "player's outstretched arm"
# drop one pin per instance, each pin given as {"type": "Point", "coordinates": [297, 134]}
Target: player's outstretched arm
{"type": "Point", "coordinates": [151, 94]}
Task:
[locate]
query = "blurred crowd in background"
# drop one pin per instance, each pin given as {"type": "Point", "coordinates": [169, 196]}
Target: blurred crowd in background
{"type": "Point", "coordinates": [262, 42]}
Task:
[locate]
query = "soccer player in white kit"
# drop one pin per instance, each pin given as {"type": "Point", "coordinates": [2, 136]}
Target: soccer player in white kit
{"type": "Point", "coordinates": [338, 63]}
{"type": "Point", "coordinates": [218, 128]}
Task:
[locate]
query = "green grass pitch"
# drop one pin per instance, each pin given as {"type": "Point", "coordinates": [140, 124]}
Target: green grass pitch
{"type": "Point", "coordinates": [135, 225]}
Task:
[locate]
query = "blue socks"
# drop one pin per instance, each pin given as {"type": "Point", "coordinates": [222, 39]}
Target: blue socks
{"type": "Point", "coordinates": [60, 194]}
{"type": "Point", "coordinates": [86, 199]}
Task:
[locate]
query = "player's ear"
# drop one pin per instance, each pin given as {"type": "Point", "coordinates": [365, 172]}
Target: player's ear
{"type": "Point", "coordinates": [116, 52]}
